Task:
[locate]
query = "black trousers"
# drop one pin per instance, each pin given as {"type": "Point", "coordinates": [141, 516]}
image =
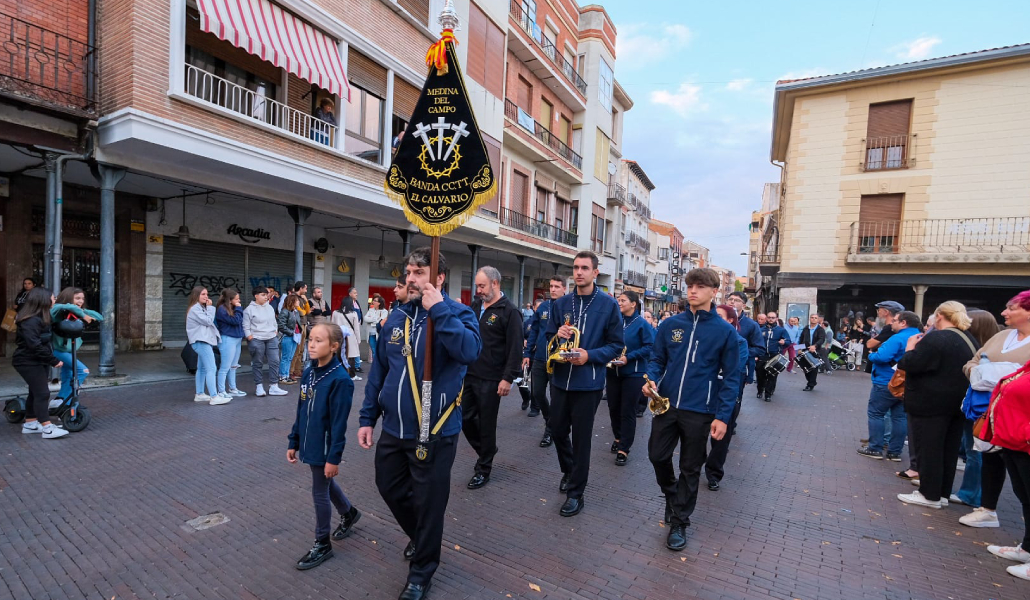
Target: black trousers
{"type": "Point", "coordinates": [326, 493]}
{"type": "Point", "coordinates": [417, 492]}
{"type": "Point", "coordinates": [811, 377]}
{"type": "Point", "coordinates": [714, 466]}
{"type": "Point", "coordinates": [623, 397]}
{"type": "Point", "coordinates": [992, 479]}
{"type": "Point", "coordinates": [479, 406]}
{"type": "Point", "coordinates": [766, 380]}
{"type": "Point", "coordinates": [937, 440]}
{"type": "Point", "coordinates": [540, 381]}
{"type": "Point", "coordinates": [37, 405]}
{"type": "Point", "coordinates": [573, 411]}
{"type": "Point", "coordinates": [688, 430]}
{"type": "Point", "coordinates": [1018, 466]}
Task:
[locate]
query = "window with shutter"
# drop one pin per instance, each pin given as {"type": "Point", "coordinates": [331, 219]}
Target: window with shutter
{"type": "Point", "coordinates": [887, 135]}
{"type": "Point", "coordinates": [541, 205]}
{"type": "Point", "coordinates": [879, 223]}
{"type": "Point", "coordinates": [519, 192]}
{"type": "Point", "coordinates": [405, 96]}
{"type": "Point", "coordinates": [524, 95]}
{"type": "Point", "coordinates": [546, 114]}
{"type": "Point", "coordinates": [365, 73]}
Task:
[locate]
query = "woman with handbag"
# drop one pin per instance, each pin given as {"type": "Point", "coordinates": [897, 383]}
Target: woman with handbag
{"type": "Point", "coordinates": [1009, 428]}
{"type": "Point", "coordinates": [347, 318]}
{"type": "Point", "coordinates": [376, 314]}
{"type": "Point", "coordinates": [1008, 346]}
{"type": "Point", "coordinates": [934, 388]}
{"type": "Point", "coordinates": [290, 334]}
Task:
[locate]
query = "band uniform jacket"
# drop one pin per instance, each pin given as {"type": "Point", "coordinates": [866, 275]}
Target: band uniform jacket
{"type": "Point", "coordinates": [500, 327]}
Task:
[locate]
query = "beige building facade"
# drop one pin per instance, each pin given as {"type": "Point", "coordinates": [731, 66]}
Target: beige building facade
{"type": "Point", "coordinates": [909, 183]}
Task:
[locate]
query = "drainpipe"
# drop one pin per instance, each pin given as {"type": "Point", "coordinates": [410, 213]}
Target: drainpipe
{"type": "Point", "coordinates": [50, 161]}
{"type": "Point", "coordinates": [58, 217]}
{"type": "Point", "coordinates": [405, 241]}
{"type": "Point", "coordinates": [475, 262]}
{"type": "Point", "coordinates": [91, 39]}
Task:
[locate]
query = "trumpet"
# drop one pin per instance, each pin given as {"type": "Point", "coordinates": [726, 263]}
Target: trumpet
{"type": "Point", "coordinates": [657, 404]}
{"type": "Point", "coordinates": [619, 358]}
{"type": "Point", "coordinates": [559, 350]}
{"type": "Point", "coordinates": [526, 381]}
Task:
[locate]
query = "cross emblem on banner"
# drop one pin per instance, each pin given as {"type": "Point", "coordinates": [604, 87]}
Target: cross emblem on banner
{"type": "Point", "coordinates": [442, 127]}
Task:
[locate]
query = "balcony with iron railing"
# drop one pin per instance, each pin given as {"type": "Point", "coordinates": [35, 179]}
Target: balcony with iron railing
{"type": "Point", "coordinates": [984, 241]}
{"type": "Point", "coordinates": [888, 152]}
{"type": "Point", "coordinates": [46, 68]}
{"type": "Point", "coordinates": [635, 278]}
{"type": "Point", "coordinates": [542, 134]}
{"type": "Point", "coordinates": [552, 54]}
{"type": "Point", "coordinates": [540, 229]}
{"type": "Point", "coordinates": [616, 194]}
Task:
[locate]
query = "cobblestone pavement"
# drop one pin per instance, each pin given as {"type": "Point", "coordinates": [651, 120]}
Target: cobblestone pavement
{"type": "Point", "coordinates": [102, 513]}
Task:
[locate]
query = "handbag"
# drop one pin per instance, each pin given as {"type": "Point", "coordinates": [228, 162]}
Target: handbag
{"type": "Point", "coordinates": [8, 323]}
{"type": "Point", "coordinates": [896, 385]}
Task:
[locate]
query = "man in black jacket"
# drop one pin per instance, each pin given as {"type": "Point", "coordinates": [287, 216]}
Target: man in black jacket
{"type": "Point", "coordinates": [490, 377]}
{"type": "Point", "coordinates": [812, 337]}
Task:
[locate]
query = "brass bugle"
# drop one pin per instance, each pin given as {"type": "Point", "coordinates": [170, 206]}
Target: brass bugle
{"type": "Point", "coordinates": [557, 347]}
{"type": "Point", "coordinates": [611, 363]}
{"type": "Point", "coordinates": [656, 403]}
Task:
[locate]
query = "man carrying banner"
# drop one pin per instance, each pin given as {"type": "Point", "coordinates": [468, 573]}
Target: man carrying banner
{"type": "Point", "coordinates": [414, 475]}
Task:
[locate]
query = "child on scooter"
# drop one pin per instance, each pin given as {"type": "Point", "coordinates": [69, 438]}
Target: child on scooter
{"type": "Point", "coordinates": [72, 300]}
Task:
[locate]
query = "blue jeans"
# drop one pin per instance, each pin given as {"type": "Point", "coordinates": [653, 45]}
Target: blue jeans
{"type": "Point", "coordinates": [229, 350]}
{"type": "Point", "coordinates": [205, 367]}
{"type": "Point", "coordinates": [287, 347]}
{"type": "Point", "coordinates": [969, 492]}
{"type": "Point", "coordinates": [882, 402]}
{"type": "Point", "coordinates": [66, 373]}
{"type": "Point", "coordinates": [373, 339]}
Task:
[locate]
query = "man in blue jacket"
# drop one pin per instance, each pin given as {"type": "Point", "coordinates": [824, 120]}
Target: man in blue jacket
{"type": "Point", "coordinates": [881, 402]}
{"type": "Point", "coordinates": [536, 354]}
{"type": "Point", "coordinates": [750, 331]}
{"type": "Point", "coordinates": [576, 385]}
{"type": "Point", "coordinates": [774, 340]}
{"type": "Point", "coordinates": [413, 476]}
{"type": "Point", "coordinates": [691, 351]}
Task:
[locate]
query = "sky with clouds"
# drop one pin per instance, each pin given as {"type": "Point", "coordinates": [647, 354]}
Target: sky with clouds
{"type": "Point", "coordinates": [701, 75]}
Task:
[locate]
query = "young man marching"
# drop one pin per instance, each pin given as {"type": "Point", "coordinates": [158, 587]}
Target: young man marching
{"type": "Point", "coordinates": [691, 352]}
{"type": "Point", "coordinates": [535, 355]}
{"type": "Point", "coordinates": [576, 385]}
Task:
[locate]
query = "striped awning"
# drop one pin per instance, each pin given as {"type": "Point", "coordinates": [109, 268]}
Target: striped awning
{"type": "Point", "coordinates": [266, 30]}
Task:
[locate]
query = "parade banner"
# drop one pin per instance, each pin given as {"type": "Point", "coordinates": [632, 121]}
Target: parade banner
{"type": "Point", "coordinates": [441, 172]}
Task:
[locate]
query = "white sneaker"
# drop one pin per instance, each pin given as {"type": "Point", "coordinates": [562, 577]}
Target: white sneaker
{"type": "Point", "coordinates": [33, 427]}
{"type": "Point", "coordinates": [275, 390]}
{"type": "Point", "coordinates": [260, 391]}
{"type": "Point", "coordinates": [1021, 571]}
{"type": "Point", "coordinates": [1010, 553]}
{"type": "Point", "coordinates": [237, 393]}
{"type": "Point", "coordinates": [356, 378]}
{"type": "Point", "coordinates": [201, 398]}
{"type": "Point", "coordinates": [914, 482]}
{"type": "Point", "coordinates": [980, 517]}
{"type": "Point", "coordinates": [954, 498]}
{"type": "Point", "coordinates": [961, 465]}
{"type": "Point", "coordinates": [917, 498]}
{"type": "Point", "coordinates": [50, 432]}
{"type": "Point", "coordinates": [216, 400]}
{"type": "Point", "coordinates": [944, 502]}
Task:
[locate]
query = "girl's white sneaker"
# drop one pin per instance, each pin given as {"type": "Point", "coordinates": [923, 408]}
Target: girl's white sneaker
{"type": "Point", "coordinates": [51, 432]}
{"type": "Point", "coordinates": [1015, 553]}
{"type": "Point", "coordinates": [201, 398]}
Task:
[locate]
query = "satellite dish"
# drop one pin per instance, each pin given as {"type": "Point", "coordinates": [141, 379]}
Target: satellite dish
{"type": "Point", "coordinates": [612, 168]}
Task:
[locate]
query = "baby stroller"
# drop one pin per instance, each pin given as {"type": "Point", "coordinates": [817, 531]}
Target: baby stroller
{"type": "Point", "coordinates": [73, 416]}
{"type": "Point", "coordinates": [840, 357]}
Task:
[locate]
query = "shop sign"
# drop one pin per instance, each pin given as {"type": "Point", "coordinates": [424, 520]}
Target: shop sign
{"type": "Point", "coordinates": [251, 236]}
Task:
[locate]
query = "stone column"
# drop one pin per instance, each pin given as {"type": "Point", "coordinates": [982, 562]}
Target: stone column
{"type": "Point", "coordinates": [109, 178]}
{"type": "Point", "coordinates": [522, 280]}
{"type": "Point", "coordinates": [920, 291]}
{"type": "Point", "coordinates": [299, 214]}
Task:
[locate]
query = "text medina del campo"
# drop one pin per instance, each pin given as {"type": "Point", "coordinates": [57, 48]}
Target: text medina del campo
{"type": "Point", "coordinates": [441, 99]}
{"type": "Point", "coordinates": [251, 236]}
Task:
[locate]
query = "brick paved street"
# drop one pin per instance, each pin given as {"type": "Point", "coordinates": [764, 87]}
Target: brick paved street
{"type": "Point", "coordinates": [102, 514]}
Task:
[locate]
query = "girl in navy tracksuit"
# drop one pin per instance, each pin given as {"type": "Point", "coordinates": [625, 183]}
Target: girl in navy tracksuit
{"type": "Point", "coordinates": [625, 378]}
{"type": "Point", "coordinates": [319, 434]}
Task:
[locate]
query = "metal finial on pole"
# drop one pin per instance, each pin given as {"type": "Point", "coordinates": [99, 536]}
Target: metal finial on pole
{"type": "Point", "coordinates": [449, 17]}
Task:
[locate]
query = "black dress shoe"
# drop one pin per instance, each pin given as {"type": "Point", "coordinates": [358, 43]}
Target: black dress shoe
{"type": "Point", "coordinates": [640, 413]}
{"type": "Point", "coordinates": [768, 397]}
{"type": "Point", "coordinates": [409, 551]}
{"type": "Point", "coordinates": [533, 412]}
{"type": "Point", "coordinates": [414, 591]}
{"type": "Point", "coordinates": [571, 507]}
{"type": "Point", "coordinates": [478, 480]}
{"type": "Point", "coordinates": [564, 485]}
{"type": "Point", "coordinates": [713, 485]}
{"type": "Point", "coordinates": [677, 539]}
{"type": "Point", "coordinates": [759, 394]}
{"type": "Point", "coordinates": [621, 458]}
{"type": "Point", "coordinates": [322, 550]}
{"type": "Point", "coordinates": [615, 447]}
{"type": "Point", "coordinates": [546, 441]}
{"type": "Point", "coordinates": [347, 523]}
{"type": "Point", "coordinates": [525, 404]}
{"type": "Point", "coordinates": [807, 388]}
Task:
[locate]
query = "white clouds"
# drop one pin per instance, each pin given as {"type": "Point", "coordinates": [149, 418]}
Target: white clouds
{"type": "Point", "coordinates": [739, 85]}
{"type": "Point", "coordinates": [640, 44]}
{"type": "Point", "coordinates": [686, 100]}
{"type": "Point", "coordinates": [917, 49]}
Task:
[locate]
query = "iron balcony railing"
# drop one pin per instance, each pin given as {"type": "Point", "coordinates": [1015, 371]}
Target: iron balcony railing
{"type": "Point", "coordinates": [46, 66]}
{"type": "Point", "coordinates": [249, 103]}
{"type": "Point", "coordinates": [617, 193]}
{"type": "Point", "coordinates": [887, 152]}
{"type": "Point", "coordinates": [635, 278]}
{"type": "Point", "coordinates": [537, 228]}
{"type": "Point", "coordinates": [997, 235]}
{"type": "Point", "coordinates": [528, 25]}
{"type": "Point", "coordinates": [516, 114]}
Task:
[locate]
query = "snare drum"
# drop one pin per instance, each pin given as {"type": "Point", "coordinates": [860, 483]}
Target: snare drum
{"type": "Point", "coordinates": [776, 365]}
{"type": "Point", "coordinates": [808, 361]}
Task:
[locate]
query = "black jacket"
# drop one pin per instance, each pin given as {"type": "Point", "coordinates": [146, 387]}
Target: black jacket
{"type": "Point", "coordinates": [33, 344]}
{"type": "Point", "coordinates": [820, 336]}
{"type": "Point", "coordinates": [500, 327]}
{"type": "Point", "coordinates": [934, 382]}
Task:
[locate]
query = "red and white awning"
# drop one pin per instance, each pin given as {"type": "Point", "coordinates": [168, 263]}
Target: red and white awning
{"type": "Point", "coordinates": [264, 29]}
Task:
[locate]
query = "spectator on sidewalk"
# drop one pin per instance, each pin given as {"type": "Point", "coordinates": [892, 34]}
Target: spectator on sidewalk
{"type": "Point", "coordinates": [934, 388]}
{"type": "Point", "coordinates": [27, 285]}
{"type": "Point", "coordinates": [319, 309]}
{"type": "Point", "coordinates": [350, 351]}
{"type": "Point", "coordinates": [33, 358]}
{"type": "Point", "coordinates": [290, 332]}
{"type": "Point", "coordinates": [203, 336]}
{"type": "Point", "coordinates": [72, 300]}
{"type": "Point", "coordinates": [352, 301]}
{"type": "Point", "coordinates": [273, 300]}
{"type": "Point", "coordinates": [261, 329]}
{"type": "Point", "coordinates": [881, 401]}
{"type": "Point", "coordinates": [229, 321]}
{"type": "Point", "coordinates": [377, 313]}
